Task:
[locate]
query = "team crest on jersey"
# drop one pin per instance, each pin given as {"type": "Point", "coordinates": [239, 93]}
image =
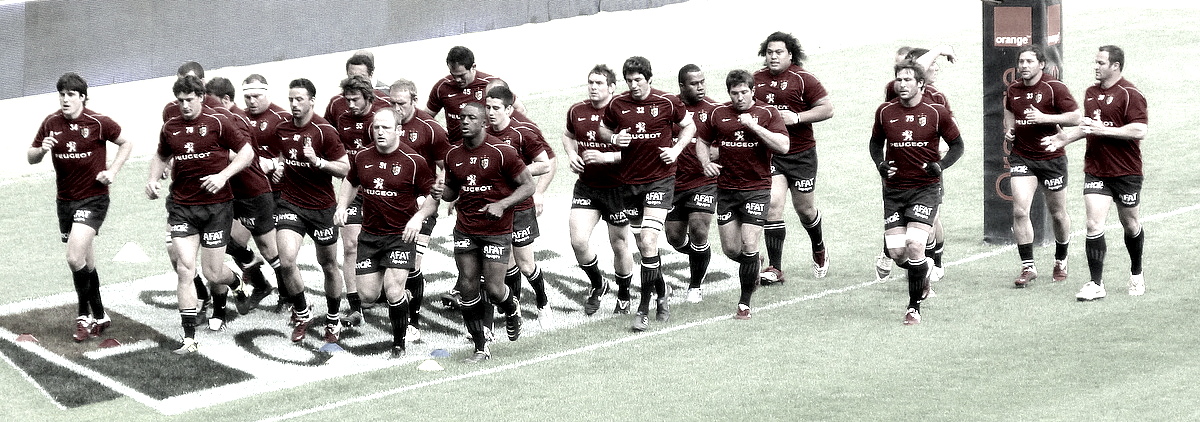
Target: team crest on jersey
{"type": "Point", "coordinates": [412, 136]}
{"type": "Point", "coordinates": [922, 120]}
{"type": "Point", "coordinates": [395, 169]}
{"type": "Point", "coordinates": [783, 86]}
{"type": "Point", "coordinates": [262, 125]}
{"type": "Point", "coordinates": [84, 132]}
{"type": "Point", "coordinates": [1038, 98]}
{"type": "Point", "coordinates": [484, 162]}
{"type": "Point", "coordinates": [203, 130]}
{"type": "Point", "coordinates": [653, 111]}
{"type": "Point", "coordinates": [479, 95]}
{"type": "Point", "coordinates": [703, 117]}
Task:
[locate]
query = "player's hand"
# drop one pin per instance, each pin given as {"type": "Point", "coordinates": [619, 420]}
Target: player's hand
{"type": "Point", "coordinates": [48, 143]}
{"type": "Point", "coordinates": [576, 162]}
{"type": "Point", "coordinates": [1052, 143]}
{"type": "Point", "coordinates": [789, 118]}
{"type": "Point", "coordinates": [539, 204]}
{"type": "Point", "coordinates": [591, 156]}
{"type": "Point", "coordinates": [887, 169]}
{"type": "Point", "coordinates": [105, 177]}
{"type": "Point", "coordinates": [152, 188]}
{"type": "Point", "coordinates": [493, 211]}
{"type": "Point", "coordinates": [309, 152]}
{"type": "Point", "coordinates": [622, 138]}
{"type": "Point", "coordinates": [933, 169]}
{"type": "Point", "coordinates": [340, 215]}
{"type": "Point", "coordinates": [1035, 115]}
{"type": "Point", "coordinates": [748, 120]}
{"type": "Point", "coordinates": [412, 229]}
{"type": "Point", "coordinates": [668, 154]}
{"type": "Point", "coordinates": [277, 174]}
{"type": "Point", "coordinates": [1010, 136]}
{"type": "Point", "coordinates": [213, 182]}
{"type": "Point", "coordinates": [712, 169]}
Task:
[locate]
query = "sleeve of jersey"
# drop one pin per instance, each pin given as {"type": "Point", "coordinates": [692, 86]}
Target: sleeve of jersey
{"type": "Point", "coordinates": [231, 138]}
{"type": "Point", "coordinates": [570, 128]}
{"type": "Point", "coordinates": [41, 134]}
{"type": "Point", "coordinates": [1135, 111]}
{"type": "Point", "coordinates": [331, 145]}
{"type": "Point", "coordinates": [422, 177]}
{"type": "Point", "coordinates": [813, 90]}
{"type": "Point", "coordinates": [1066, 103]}
{"type": "Point", "coordinates": [947, 122]}
{"type": "Point", "coordinates": [775, 122]}
{"type": "Point", "coordinates": [164, 148]}
{"type": "Point", "coordinates": [111, 130]}
{"type": "Point", "coordinates": [434, 103]}
{"type": "Point", "coordinates": [352, 175]}
{"type": "Point", "coordinates": [512, 162]}
{"type": "Point", "coordinates": [610, 118]}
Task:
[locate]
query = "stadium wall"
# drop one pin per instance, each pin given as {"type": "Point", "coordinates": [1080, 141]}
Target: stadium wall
{"type": "Point", "coordinates": [113, 41]}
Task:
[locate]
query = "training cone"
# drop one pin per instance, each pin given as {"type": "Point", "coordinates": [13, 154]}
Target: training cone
{"type": "Point", "coordinates": [430, 365]}
{"type": "Point", "coordinates": [109, 342]}
{"type": "Point", "coordinates": [27, 337]}
{"type": "Point", "coordinates": [131, 252]}
{"type": "Point", "coordinates": [332, 348]}
{"type": "Point", "coordinates": [440, 353]}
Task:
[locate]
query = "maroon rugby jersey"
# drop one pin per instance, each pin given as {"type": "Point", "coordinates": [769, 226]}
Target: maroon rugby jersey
{"type": "Point", "coordinates": [80, 153]}
{"type": "Point", "coordinates": [912, 136]}
{"type": "Point", "coordinates": [446, 94]}
{"type": "Point", "coordinates": [390, 185]}
{"type": "Point", "coordinates": [338, 105]}
{"type": "Point", "coordinates": [355, 130]}
{"type": "Point", "coordinates": [423, 134]}
{"type": "Point", "coordinates": [252, 181]}
{"type": "Point", "coordinates": [484, 175]}
{"type": "Point", "coordinates": [1117, 106]}
{"type": "Point", "coordinates": [651, 123]}
{"type": "Point", "coordinates": [303, 183]}
{"type": "Point", "coordinates": [688, 173]}
{"type": "Point", "coordinates": [262, 134]}
{"type": "Point", "coordinates": [583, 122]}
{"type": "Point", "coordinates": [528, 142]}
{"type": "Point", "coordinates": [200, 147]}
{"type": "Point", "coordinates": [793, 90]}
{"type": "Point", "coordinates": [744, 157]}
{"type": "Point", "coordinates": [1049, 96]}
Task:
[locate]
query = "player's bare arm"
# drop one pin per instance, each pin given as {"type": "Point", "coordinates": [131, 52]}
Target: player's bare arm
{"type": "Point", "coordinates": [241, 159]}
{"type": "Point", "coordinates": [158, 167]}
{"type": "Point", "coordinates": [124, 148]}
{"type": "Point", "coordinates": [777, 142]}
{"type": "Point", "coordinates": [525, 189]}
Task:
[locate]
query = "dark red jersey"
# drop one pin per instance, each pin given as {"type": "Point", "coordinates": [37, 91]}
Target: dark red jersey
{"type": "Point", "coordinates": [1049, 96]}
{"type": "Point", "coordinates": [650, 122]}
{"type": "Point", "coordinates": [1117, 106]}
{"type": "Point", "coordinates": [262, 133]}
{"type": "Point", "coordinates": [200, 147]}
{"type": "Point", "coordinates": [912, 137]}
{"type": "Point", "coordinates": [528, 141]}
{"type": "Point", "coordinates": [303, 183]}
{"type": "Point", "coordinates": [745, 158]}
{"type": "Point", "coordinates": [484, 175]}
{"type": "Point", "coordinates": [793, 90]}
{"type": "Point", "coordinates": [583, 122]}
{"type": "Point", "coordinates": [688, 173]}
{"type": "Point", "coordinates": [355, 130]}
{"type": "Point", "coordinates": [424, 135]}
{"type": "Point", "coordinates": [447, 95]}
{"type": "Point", "coordinates": [390, 185]}
{"type": "Point", "coordinates": [252, 181]}
{"type": "Point", "coordinates": [80, 153]}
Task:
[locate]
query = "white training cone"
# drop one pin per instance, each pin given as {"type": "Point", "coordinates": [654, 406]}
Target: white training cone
{"type": "Point", "coordinates": [131, 252]}
{"type": "Point", "coordinates": [429, 365]}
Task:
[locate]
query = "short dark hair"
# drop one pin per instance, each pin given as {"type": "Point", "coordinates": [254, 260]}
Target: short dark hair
{"type": "Point", "coordinates": [739, 76]}
{"type": "Point", "coordinates": [361, 59]}
{"type": "Point", "coordinates": [686, 69]}
{"type": "Point", "coordinates": [1037, 51]}
{"type": "Point", "coordinates": [603, 70]}
{"type": "Point", "coordinates": [306, 84]}
{"type": "Point", "coordinates": [188, 84]}
{"type": "Point", "coordinates": [792, 44]}
{"type": "Point", "coordinates": [1115, 55]}
{"type": "Point", "coordinates": [359, 84]}
{"type": "Point", "coordinates": [71, 81]}
{"type": "Point", "coordinates": [460, 55]}
{"type": "Point", "coordinates": [918, 71]}
{"type": "Point", "coordinates": [220, 87]}
{"type": "Point", "coordinates": [637, 64]}
{"type": "Point", "coordinates": [503, 94]}
{"type": "Point", "coordinates": [254, 77]}
{"type": "Point", "coordinates": [190, 67]}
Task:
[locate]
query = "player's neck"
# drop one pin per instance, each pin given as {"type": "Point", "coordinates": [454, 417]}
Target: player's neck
{"type": "Point", "coordinates": [303, 120]}
{"type": "Point", "coordinates": [475, 141]}
{"type": "Point", "coordinates": [1033, 81]}
{"type": "Point", "coordinates": [74, 115]}
{"type": "Point", "coordinates": [1112, 80]}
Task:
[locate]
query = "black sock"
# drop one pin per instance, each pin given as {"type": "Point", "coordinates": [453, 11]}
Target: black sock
{"type": "Point", "coordinates": [201, 289]}
{"type": "Point", "coordinates": [219, 302]}
{"type": "Point", "coordinates": [594, 275]}
{"type": "Point", "coordinates": [240, 253]}
{"type": "Point", "coordinates": [509, 304]}
{"type": "Point", "coordinates": [1134, 245]}
{"type": "Point", "coordinates": [938, 248]}
{"type": "Point", "coordinates": [512, 279]}
{"type": "Point", "coordinates": [415, 285]}
{"type": "Point", "coordinates": [355, 302]}
{"type": "Point", "coordinates": [748, 276]}
{"type": "Point", "coordinates": [699, 256]}
{"type": "Point", "coordinates": [1096, 247]}
{"type": "Point", "coordinates": [538, 283]}
{"type": "Point", "coordinates": [300, 305]}
{"type": "Point", "coordinates": [918, 273]}
{"type": "Point", "coordinates": [94, 298]}
{"type": "Point", "coordinates": [473, 313]}
{"type": "Point", "coordinates": [650, 275]}
{"type": "Point", "coordinates": [1060, 250]}
{"type": "Point", "coordinates": [187, 319]}
{"type": "Point", "coordinates": [1025, 251]}
{"type": "Point", "coordinates": [774, 233]}
{"type": "Point", "coordinates": [398, 315]}
{"type": "Point", "coordinates": [624, 283]}
{"type": "Point", "coordinates": [83, 286]}
{"type": "Point", "coordinates": [814, 233]}
{"type": "Point", "coordinates": [334, 305]}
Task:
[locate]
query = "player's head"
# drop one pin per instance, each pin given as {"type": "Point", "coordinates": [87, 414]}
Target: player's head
{"type": "Point", "coordinates": [931, 72]}
{"type": "Point", "coordinates": [221, 88]}
{"type": "Point", "coordinates": [637, 73]}
{"type": "Point", "coordinates": [740, 85]}
{"type": "Point", "coordinates": [902, 53]}
{"type": "Point", "coordinates": [72, 82]}
{"type": "Point", "coordinates": [403, 93]}
{"type": "Point", "coordinates": [361, 63]}
{"type": "Point", "coordinates": [192, 68]}
{"type": "Point", "coordinates": [1110, 62]}
{"type": "Point", "coordinates": [602, 82]}
{"type": "Point", "coordinates": [383, 130]}
{"type": "Point", "coordinates": [254, 93]}
{"type": "Point", "coordinates": [499, 103]}
{"type": "Point", "coordinates": [495, 82]}
{"type": "Point", "coordinates": [691, 83]}
{"type": "Point", "coordinates": [189, 95]}
{"type": "Point", "coordinates": [359, 94]}
{"type": "Point", "coordinates": [474, 118]}
{"type": "Point", "coordinates": [461, 62]}
{"type": "Point", "coordinates": [910, 79]}
{"type": "Point", "coordinates": [781, 50]}
{"type": "Point", "coordinates": [1031, 61]}
{"type": "Point", "coordinates": [300, 97]}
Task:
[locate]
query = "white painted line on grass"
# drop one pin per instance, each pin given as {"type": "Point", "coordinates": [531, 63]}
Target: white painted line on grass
{"type": "Point", "coordinates": [33, 382]}
{"type": "Point", "coordinates": [118, 350]}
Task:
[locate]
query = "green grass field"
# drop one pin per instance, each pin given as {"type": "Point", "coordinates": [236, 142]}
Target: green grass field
{"type": "Point", "coordinates": [832, 349]}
